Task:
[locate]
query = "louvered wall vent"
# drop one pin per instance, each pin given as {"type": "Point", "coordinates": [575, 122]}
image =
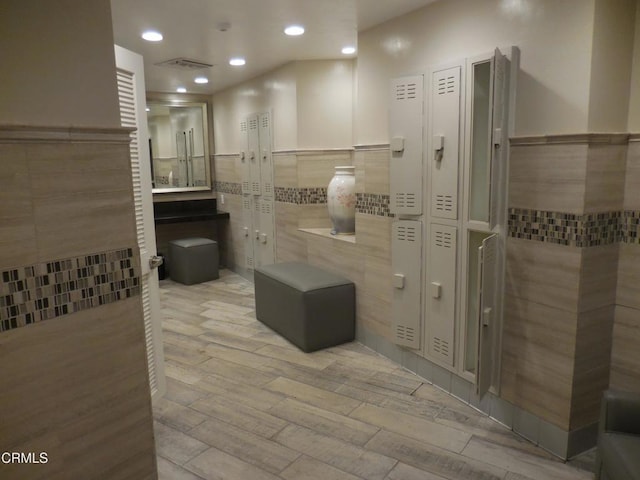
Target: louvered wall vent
{"type": "Point", "coordinates": [184, 63]}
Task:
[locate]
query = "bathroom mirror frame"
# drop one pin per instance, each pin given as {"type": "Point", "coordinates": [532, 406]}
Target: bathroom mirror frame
{"type": "Point", "coordinates": [175, 102]}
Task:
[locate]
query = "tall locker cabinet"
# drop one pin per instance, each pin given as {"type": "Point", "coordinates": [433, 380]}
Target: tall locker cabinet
{"type": "Point", "coordinates": [258, 228]}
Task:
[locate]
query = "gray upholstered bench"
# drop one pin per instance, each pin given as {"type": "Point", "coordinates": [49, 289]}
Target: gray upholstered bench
{"type": "Point", "coordinates": [311, 308]}
{"type": "Point", "coordinates": [193, 260]}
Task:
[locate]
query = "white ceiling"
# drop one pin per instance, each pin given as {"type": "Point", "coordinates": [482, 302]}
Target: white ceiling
{"type": "Point", "coordinates": [191, 29]}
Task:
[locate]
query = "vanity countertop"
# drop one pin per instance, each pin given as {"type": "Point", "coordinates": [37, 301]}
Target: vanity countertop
{"type": "Point", "coordinates": [187, 211]}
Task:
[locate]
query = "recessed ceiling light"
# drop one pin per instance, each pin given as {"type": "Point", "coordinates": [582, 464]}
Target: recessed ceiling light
{"type": "Point", "coordinates": [152, 36]}
{"type": "Point", "coordinates": [294, 30]}
{"type": "Point", "coordinates": [201, 80]}
{"type": "Point", "coordinates": [181, 90]}
{"type": "Point", "coordinates": [237, 62]}
{"type": "Point", "coordinates": [348, 50]}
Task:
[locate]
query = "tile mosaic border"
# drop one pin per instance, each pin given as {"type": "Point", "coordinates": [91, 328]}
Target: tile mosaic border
{"type": "Point", "coordinates": [48, 290]}
{"type": "Point", "coordinates": [575, 230]}
{"type": "Point", "coordinates": [301, 196]}
{"type": "Point", "coordinates": [231, 188]}
{"type": "Point", "coordinates": [373, 204]}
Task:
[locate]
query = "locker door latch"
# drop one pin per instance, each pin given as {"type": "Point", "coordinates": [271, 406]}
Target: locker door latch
{"type": "Point", "coordinates": [398, 281]}
{"type": "Point", "coordinates": [246, 231]}
{"type": "Point", "coordinates": [397, 144]}
{"type": "Point", "coordinates": [486, 316]}
{"type": "Point", "coordinates": [263, 238]}
{"type": "Point", "coordinates": [436, 290]}
{"type": "Point", "coordinates": [438, 147]}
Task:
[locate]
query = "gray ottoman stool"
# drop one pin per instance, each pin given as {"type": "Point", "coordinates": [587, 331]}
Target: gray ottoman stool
{"type": "Point", "coordinates": [193, 260]}
{"type": "Point", "coordinates": [311, 308]}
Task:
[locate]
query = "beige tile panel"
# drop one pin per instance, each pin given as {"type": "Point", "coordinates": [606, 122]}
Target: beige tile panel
{"type": "Point", "coordinates": [338, 257]}
{"type": "Point", "coordinates": [15, 185]}
{"type": "Point", "coordinates": [18, 242]}
{"type": "Point", "coordinates": [285, 170]}
{"type": "Point", "coordinates": [538, 359]}
{"type": "Point", "coordinates": [377, 277]}
{"type": "Point", "coordinates": [605, 178]}
{"type": "Point", "coordinates": [225, 168]}
{"type": "Point", "coordinates": [373, 313]}
{"type": "Point", "coordinates": [544, 273]}
{"type": "Point", "coordinates": [317, 170]}
{"type": "Point", "coordinates": [592, 364]}
{"type": "Point", "coordinates": [625, 361]}
{"type": "Point", "coordinates": [632, 180]}
{"type": "Point", "coordinates": [374, 234]}
{"type": "Point", "coordinates": [81, 364]}
{"type": "Point", "coordinates": [548, 177]}
{"type": "Point", "coordinates": [376, 171]}
{"type": "Point", "coordinates": [313, 216]}
{"type": "Point", "coordinates": [598, 277]}
{"type": "Point", "coordinates": [78, 169]}
{"type": "Point", "coordinates": [628, 286]}
{"type": "Point", "coordinates": [358, 162]}
{"type": "Point", "coordinates": [84, 223]}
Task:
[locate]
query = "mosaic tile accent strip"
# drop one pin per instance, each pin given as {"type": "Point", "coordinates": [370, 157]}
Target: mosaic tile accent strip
{"type": "Point", "coordinates": [586, 230]}
{"type": "Point", "coordinates": [301, 196]}
{"type": "Point", "coordinates": [231, 188]}
{"type": "Point", "coordinates": [373, 204]}
{"type": "Point", "coordinates": [630, 226]}
{"type": "Point", "coordinates": [51, 289]}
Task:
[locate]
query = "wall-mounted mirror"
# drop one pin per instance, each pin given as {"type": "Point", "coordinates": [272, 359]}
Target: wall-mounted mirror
{"type": "Point", "coordinates": [179, 146]}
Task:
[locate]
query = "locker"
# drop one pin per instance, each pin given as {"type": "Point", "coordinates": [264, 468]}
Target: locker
{"type": "Point", "coordinates": [264, 239]}
{"type": "Point", "coordinates": [266, 160]}
{"type": "Point", "coordinates": [406, 262]}
{"type": "Point", "coordinates": [247, 230]}
{"type": "Point", "coordinates": [499, 137]}
{"type": "Point", "coordinates": [443, 156]}
{"type": "Point", "coordinates": [405, 132]}
{"type": "Point", "coordinates": [244, 158]}
{"type": "Point", "coordinates": [441, 292]}
{"type": "Point", "coordinates": [254, 154]}
{"type": "Point", "coordinates": [487, 323]}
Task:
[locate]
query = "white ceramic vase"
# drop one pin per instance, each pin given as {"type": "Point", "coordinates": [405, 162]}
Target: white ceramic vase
{"type": "Point", "coordinates": [341, 201]}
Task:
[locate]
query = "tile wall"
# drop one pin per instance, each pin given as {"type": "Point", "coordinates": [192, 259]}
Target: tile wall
{"type": "Point", "coordinates": [71, 323]}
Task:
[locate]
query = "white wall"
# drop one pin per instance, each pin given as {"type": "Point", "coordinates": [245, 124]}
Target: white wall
{"type": "Point", "coordinates": [613, 38]}
{"type": "Point", "coordinates": [275, 90]}
{"type": "Point", "coordinates": [66, 47]}
{"type": "Point", "coordinates": [554, 37]}
{"type": "Point", "coordinates": [325, 104]}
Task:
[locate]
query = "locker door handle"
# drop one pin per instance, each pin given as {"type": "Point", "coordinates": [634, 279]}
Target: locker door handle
{"type": "Point", "coordinates": [486, 316]}
{"type": "Point", "coordinates": [398, 281]}
{"type": "Point", "coordinates": [438, 147]}
{"type": "Point", "coordinates": [263, 238]}
{"type": "Point", "coordinates": [257, 234]}
{"type": "Point", "coordinates": [436, 290]}
{"type": "Point", "coordinates": [264, 155]}
{"type": "Point", "coordinates": [242, 156]}
{"type": "Point", "coordinates": [246, 231]}
{"type": "Point", "coordinates": [252, 155]}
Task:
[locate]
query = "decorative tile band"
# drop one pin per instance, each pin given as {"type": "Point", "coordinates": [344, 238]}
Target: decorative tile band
{"type": "Point", "coordinates": [50, 289]}
{"type": "Point", "coordinates": [576, 230]}
{"type": "Point", "coordinates": [301, 196]}
{"type": "Point", "coordinates": [231, 188]}
{"type": "Point", "coordinates": [373, 204]}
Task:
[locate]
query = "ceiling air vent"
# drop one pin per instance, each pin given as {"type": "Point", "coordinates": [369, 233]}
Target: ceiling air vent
{"type": "Point", "coordinates": [184, 63]}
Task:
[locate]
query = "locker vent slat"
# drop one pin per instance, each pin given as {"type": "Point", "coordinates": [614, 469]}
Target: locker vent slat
{"type": "Point", "coordinates": [443, 239]}
{"type": "Point", "coordinates": [404, 332]}
{"type": "Point", "coordinates": [441, 346]}
{"type": "Point", "coordinates": [444, 203]}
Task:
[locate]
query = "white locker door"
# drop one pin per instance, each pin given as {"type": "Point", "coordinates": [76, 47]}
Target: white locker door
{"type": "Point", "coordinates": [266, 160]}
{"type": "Point", "coordinates": [244, 159]}
{"type": "Point", "coordinates": [444, 153]}
{"type": "Point", "coordinates": [254, 154]}
{"type": "Point", "coordinates": [487, 259]}
{"type": "Point", "coordinates": [406, 261]}
{"type": "Point", "coordinates": [441, 293]}
{"type": "Point", "coordinates": [499, 137]}
{"type": "Point", "coordinates": [247, 231]}
{"type": "Point", "coordinates": [405, 134]}
{"type": "Point", "coordinates": [265, 244]}
{"type": "Point", "coordinates": [255, 237]}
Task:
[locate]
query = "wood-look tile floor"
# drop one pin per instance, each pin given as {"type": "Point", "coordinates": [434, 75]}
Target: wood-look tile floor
{"type": "Point", "coordinates": [244, 404]}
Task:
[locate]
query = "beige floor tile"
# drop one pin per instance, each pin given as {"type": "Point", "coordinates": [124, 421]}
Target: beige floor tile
{"type": "Point", "coordinates": [337, 453]}
{"type": "Point", "coordinates": [316, 360]}
{"type": "Point", "coordinates": [313, 396]}
{"type": "Point", "coordinates": [241, 416]}
{"type": "Point", "coordinates": [170, 471]}
{"type": "Point", "coordinates": [214, 464]}
{"type": "Point", "coordinates": [235, 372]}
{"type": "Point", "coordinates": [184, 355]}
{"type": "Point", "coordinates": [521, 463]}
{"type": "Point", "coordinates": [182, 393]}
{"type": "Point", "coordinates": [181, 373]}
{"type": "Point", "coordinates": [259, 451]}
{"type": "Point", "coordinates": [411, 426]}
{"type": "Point", "coordinates": [402, 471]}
{"type": "Point", "coordinates": [323, 421]}
{"type": "Point", "coordinates": [175, 445]}
{"type": "Point", "coordinates": [176, 416]}
{"type": "Point", "coordinates": [306, 468]}
{"type": "Point", "coordinates": [227, 340]}
{"type": "Point", "coordinates": [433, 459]}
